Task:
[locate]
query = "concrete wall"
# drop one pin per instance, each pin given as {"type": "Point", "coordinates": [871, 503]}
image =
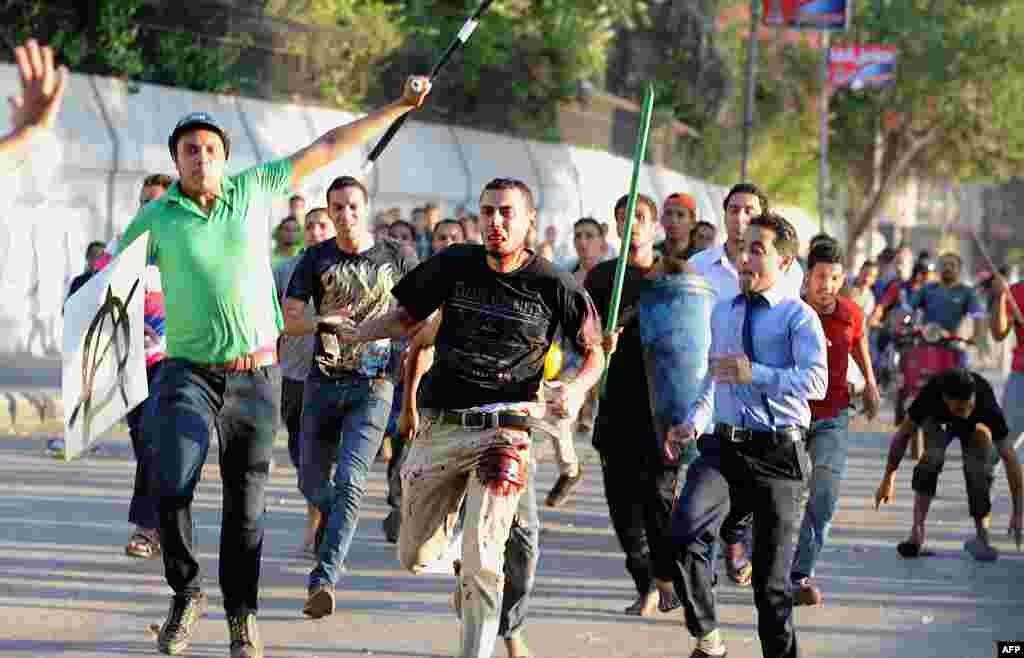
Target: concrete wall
{"type": "Point", "coordinates": [111, 137]}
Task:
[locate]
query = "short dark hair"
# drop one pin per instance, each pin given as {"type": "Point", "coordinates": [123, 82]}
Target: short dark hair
{"type": "Point", "coordinates": [93, 244]}
{"type": "Point", "coordinates": [158, 180]}
{"type": "Point", "coordinates": [957, 384]}
{"type": "Point", "coordinates": [296, 197]}
{"type": "Point", "coordinates": [869, 263]}
{"type": "Point", "coordinates": [341, 182]}
{"type": "Point", "coordinates": [826, 251]}
{"type": "Point", "coordinates": [747, 188]}
{"type": "Point", "coordinates": [587, 220]}
{"type": "Point", "coordinates": [289, 218]}
{"type": "Point", "coordinates": [497, 184]}
{"type": "Point", "coordinates": [409, 225]}
{"type": "Point", "coordinates": [820, 237]}
{"type": "Point", "coordinates": [640, 198]}
{"type": "Point", "coordinates": [430, 205]}
{"type": "Point", "coordinates": [786, 241]}
{"type": "Point", "coordinates": [703, 223]}
{"type": "Point", "coordinates": [449, 222]}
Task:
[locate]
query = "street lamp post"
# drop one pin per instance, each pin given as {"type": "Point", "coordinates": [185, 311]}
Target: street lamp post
{"type": "Point", "coordinates": [748, 97]}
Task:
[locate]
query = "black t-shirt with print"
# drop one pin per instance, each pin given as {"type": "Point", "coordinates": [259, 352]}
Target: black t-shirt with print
{"type": "Point", "coordinates": [930, 405]}
{"type": "Point", "coordinates": [496, 327]}
{"type": "Point", "coordinates": [627, 378]}
{"type": "Point", "coordinates": [359, 283]}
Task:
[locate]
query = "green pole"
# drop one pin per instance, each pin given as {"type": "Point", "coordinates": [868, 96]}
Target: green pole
{"type": "Point", "coordinates": [612, 319]}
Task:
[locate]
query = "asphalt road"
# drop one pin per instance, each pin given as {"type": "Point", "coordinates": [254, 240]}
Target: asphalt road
{"type": "Point", "coordinates": [66, 588]}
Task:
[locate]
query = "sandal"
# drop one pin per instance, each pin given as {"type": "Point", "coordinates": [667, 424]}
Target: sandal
{"type": "Point", "coordinates": [742, 574]}
{"type": "Point", "coordinates": [142, 545]}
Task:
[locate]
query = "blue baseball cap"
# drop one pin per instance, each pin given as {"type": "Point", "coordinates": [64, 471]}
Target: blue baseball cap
{"type": "Point", "coordinates": [196, 121]}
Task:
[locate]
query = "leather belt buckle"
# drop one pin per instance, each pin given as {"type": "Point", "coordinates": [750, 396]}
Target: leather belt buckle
{"type": "Point", "coordinates": [477, 420]}
{"type": "Point", "coordinates": [731, 434]}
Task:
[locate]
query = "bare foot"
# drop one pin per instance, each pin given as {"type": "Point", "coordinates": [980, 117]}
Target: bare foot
{"type": "Point", "coordinates": [516, 648]}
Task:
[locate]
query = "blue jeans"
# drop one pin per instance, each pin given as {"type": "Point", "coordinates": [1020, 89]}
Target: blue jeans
{"type": "Point", "coordinates": [342, 419]}
{"type": "Point", "coordinates": [522, 550]}
{"type": "Point", "coordinates": [827, 446]}
{"type": "Point", "coordinates": [192, 402]}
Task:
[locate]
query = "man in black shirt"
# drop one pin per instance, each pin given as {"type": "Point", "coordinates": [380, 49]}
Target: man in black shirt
{"type": "Point", "coordinates": [347, 397]}
{"type": "Point", "coordinates": [503, 307]}
{"type": "Point", "coordinates": [638, 485]}
{"type": "Point", "coordinates": [956, 404]}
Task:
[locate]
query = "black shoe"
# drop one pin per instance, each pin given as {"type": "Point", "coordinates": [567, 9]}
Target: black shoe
{"type": "Point", "coordinates": [245, 637]}
{"type": "Point", "coordinates": [181, 622]}
{"type": "Point", "coordinates": [391, 524]}
{"type": "Point", "coordinates": [320, 602]}
{"type": "Point", "coordinates": [563, 487]}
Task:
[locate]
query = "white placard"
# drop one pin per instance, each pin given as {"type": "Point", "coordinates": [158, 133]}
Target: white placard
{"type": "Point", "coordinates": [103, 375]}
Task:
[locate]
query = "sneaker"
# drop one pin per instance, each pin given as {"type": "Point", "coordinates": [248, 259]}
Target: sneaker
{"type": "Point", "coordinates": [710, 646]}
{"type": "Point", "coordinates": [563, 487]}
{"type": "Point", "coordinates": [181, 622]}
{"type": "Point", "coordinates": [805, 593]}
{"type": "Point", "coordinates": [245, 637]}
{"type": "Point", "coordinates": [320, 602]}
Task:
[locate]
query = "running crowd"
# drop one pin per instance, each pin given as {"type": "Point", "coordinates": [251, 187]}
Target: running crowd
{"type": "Point", "coordinates": [464, 341]}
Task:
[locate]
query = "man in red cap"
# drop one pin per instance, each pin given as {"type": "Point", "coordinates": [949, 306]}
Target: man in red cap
{"type": "Point", "coordinates": [678, 217]}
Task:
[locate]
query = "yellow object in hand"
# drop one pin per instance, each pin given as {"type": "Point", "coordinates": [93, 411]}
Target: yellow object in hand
{"type": "Point", "coordinates": [553, 362]}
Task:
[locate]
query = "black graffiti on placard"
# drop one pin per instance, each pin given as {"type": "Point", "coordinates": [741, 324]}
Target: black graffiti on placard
{"type": "Point", "coordinates": [94, 354]}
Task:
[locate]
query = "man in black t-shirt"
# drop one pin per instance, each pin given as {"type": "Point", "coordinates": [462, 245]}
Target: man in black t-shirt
{"type": "Point", "coordinates": [347, 397]}
{"type": "Point", "coordinates": [503, 307]}
{"type": "Point", "coordinates": [956, 404]}
{"type": "Point", "coordinates": [638, 485]}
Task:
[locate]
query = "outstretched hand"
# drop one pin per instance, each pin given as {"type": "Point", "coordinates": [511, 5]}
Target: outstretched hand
{"type": "Point", "coordinates": [42, 87]}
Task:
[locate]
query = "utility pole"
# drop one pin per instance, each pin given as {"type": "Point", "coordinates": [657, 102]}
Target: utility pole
{"type": "Point", "coordinates": [748, 97]}
{"type": "Point", "coordinates": [823, 108]}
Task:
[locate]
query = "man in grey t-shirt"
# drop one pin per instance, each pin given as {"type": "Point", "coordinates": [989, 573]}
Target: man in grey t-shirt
{"type": "Point", "coordinates": [296, 356]}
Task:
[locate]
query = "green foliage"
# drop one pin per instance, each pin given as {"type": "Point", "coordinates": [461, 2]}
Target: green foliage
{"type": "Point", "coordinates": [361, 33]}
{"type": "Point", "coordinates": [546, 46]}
{"type": "Point", "coordinates": [955, 111]}
{"type": "Point", "coordinates": [185, 61]}
{"type": "Point", "coordinates": [117, 32]}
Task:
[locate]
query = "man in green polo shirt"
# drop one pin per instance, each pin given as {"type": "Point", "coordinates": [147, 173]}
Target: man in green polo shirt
{"type": "Point", "coordinates": [223, 320]}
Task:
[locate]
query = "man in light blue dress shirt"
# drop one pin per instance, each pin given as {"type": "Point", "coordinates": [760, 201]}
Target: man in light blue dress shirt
{"type": "Point", "coordinates": [719, 265]}
{"type": "Point", "coordinates": [768, 358]}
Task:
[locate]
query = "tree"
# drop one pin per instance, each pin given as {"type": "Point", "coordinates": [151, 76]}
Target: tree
{"type": "Point", "coordinates": [546, 47]}
{"type": "Point", "coordinates": [954, 111]}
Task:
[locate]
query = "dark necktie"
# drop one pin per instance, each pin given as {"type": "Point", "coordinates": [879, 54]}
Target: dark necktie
{"type": "Point", "coordinates": [753, 301]}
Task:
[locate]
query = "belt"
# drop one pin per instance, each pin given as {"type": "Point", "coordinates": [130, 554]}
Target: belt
{"type": "Point", "coordinates": [246, 362]}
{"type": "Point", "coordinates": [479, 420]}
{"type": "Point", "coordinates": [733, 434]}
